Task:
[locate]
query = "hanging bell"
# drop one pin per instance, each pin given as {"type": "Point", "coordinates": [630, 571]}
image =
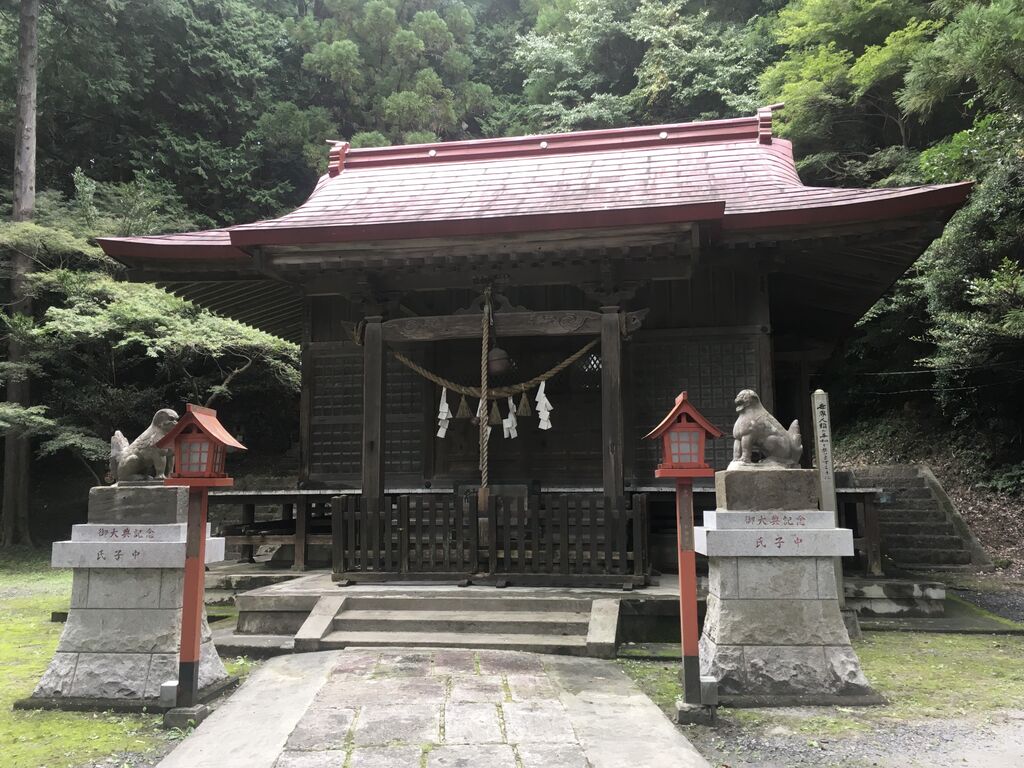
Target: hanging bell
{"type": "Point", "coordinates": [495, 415]}
{"type": "Point", "coordinates": [463, 411]}
{"type": "Point", "coordinates": [524, 406]}
{"type": "Point", "coordinates": [498, 362]}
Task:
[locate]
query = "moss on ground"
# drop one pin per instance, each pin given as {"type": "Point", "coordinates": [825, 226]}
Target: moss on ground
{"type": "Point", "coordinates": [930, 675]}
{"type": "Point", "coordinates": [658, 679]}
{"type": "Point", "coordinates": [922, 676]}
{"type": "Point", "coordinates": [29, 591]}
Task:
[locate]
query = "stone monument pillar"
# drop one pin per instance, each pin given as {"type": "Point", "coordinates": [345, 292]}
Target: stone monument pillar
{"type": "Point", "coordinates": [123, 632]}
{"type": "Point", "coordinates": [773, 634]}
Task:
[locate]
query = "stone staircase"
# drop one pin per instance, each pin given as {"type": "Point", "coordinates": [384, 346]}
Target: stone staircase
{"type": "Point", "coordinates": [570, 626]}
{"type": "Point", "coordinates": [921, 529]}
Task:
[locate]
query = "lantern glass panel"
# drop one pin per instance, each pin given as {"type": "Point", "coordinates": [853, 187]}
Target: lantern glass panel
{"type": "Point", "coordinates": [195, 456]}
{"type": "Point", "coordinates": [218, 460]}
{"type": "Point", "coordinates": [684, 446]}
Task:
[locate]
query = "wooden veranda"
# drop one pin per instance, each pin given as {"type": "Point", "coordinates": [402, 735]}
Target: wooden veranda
{"type": "Point", "coordinates": [579, 540]}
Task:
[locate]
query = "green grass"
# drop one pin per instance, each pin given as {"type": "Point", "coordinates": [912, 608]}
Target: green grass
{"type": "Point", "coordinates": [928, 675]}
{"type": "Point", "coordinates": [29, 591]}
{"type": "Point", "coordinates": [921, 675]}
{"type": "Point", "coordinates": [658, 679]}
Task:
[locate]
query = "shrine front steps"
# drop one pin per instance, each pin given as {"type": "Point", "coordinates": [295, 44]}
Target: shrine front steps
{"type": "Point", "coordinates": [921, 529]}
{"type": "Point", "coordinates": [576, 627]}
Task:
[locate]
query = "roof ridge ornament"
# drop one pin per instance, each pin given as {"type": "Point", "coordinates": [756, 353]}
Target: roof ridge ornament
{"type": "Point", "coordinates": [336, 157]}
{"type": "Point", "coordinates": [764, 122]}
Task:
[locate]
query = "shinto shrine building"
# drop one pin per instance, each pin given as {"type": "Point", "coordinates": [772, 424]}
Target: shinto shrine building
{"type": "Point", "coordinates": [691, 255]}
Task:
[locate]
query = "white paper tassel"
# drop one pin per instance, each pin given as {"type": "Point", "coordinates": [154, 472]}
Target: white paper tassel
{"type": "Point", "coordinates": [510, 425]}
{"type": "Point", "coordinates": [544, 407]}
{"type": "Point", "coordinates": [444, 414]}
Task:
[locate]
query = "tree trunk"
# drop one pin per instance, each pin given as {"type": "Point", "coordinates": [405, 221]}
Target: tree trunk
{"type": "Point", "coordinates": [18, 449]}
{"type": "Point", "coordinates": [25, 125]}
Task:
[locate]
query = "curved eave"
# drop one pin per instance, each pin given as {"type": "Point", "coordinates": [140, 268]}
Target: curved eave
{"type": "Point", "coordinates": [225, 249]}
{"type": "Point", "coordinates": [886, 205]}
{"type": "Point", "coordinates": [473, 227]}
{"type": "Point", "coordinates": [187, 249]}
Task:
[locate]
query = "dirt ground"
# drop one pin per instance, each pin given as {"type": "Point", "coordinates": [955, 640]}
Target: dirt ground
{"type": "Point", "coordinates": [955, 700]}
{"type": "Point", "coordinates": [992, 741]}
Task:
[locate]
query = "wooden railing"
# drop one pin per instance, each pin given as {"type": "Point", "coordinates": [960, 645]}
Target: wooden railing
{"type": "Point", "coordinates": [411, 536]}
{"type": "Point", "coordinates": [567, 539]}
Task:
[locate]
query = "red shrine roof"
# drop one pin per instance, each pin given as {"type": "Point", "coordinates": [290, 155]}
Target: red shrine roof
{"type": "Point", "coordinates": [681, 406]}
{"type": "Point", "coordinates": [733, 173]}
{"type": "Point", "coordinates": [206, 418]}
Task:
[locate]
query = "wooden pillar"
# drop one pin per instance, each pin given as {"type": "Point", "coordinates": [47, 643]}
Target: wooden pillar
{"type": "Point", "coordinates": [248, 519]}
{"type": "Point", "coordinates": [192, 601]}
{"type": "Point", "coordinates": [689, 629]}
{"type": "Point", "coordinates": [611, 402]}
{"type": "Point", "coordinates": [373, 409]}
{"type": "Point", "coordinates": [805, 413]}
{"type": "Point", "coordinates": [301, 531]}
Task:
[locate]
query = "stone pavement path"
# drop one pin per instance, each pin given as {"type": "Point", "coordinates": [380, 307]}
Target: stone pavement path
{"type": "Point", "coordinates": [429, 708]}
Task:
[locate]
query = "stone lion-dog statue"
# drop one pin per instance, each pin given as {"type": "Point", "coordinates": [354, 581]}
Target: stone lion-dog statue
{"type": "Point", "coordinates": [141, 459]}
{"type": "Point", "coordinates": [758, 432]}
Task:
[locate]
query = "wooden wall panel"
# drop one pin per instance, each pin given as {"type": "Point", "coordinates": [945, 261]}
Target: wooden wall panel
{"type": "Point", "coordinates": [333, 405]}
{"type": "Point", "coordinates": [710, 367]}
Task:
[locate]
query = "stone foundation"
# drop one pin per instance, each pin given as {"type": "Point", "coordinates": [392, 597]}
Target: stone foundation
{"type": "Point", "coordinates": [774, 634]}
{"type": "Point", "coordinates": [123, 632]}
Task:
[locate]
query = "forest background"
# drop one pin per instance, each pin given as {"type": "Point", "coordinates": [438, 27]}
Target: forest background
{"type": "Point", "coordinates": [166, 115]}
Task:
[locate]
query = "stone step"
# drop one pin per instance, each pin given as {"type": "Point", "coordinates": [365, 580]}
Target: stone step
{"type": "Point", "coordinates": [552, 623]}
{"type": "Point", "coordinates": [911, 515]}
{"type": "Point", "coordinates": [901, 503]}
{"type": "Point", "coordinates": [896, 489]}
{"type": "Point", "coordinates": [919, 557]}
{"type": "Point", "coordinates": [896, 527]}
{"type": "Point", "coordinates": [496, 604]}
{"type": "Point", "coordinates": [573, 645]}
{"type": "Point", "coordinates": [926, 541]}
{"type": "Point", "coordinates": [910, 493]}
{"type": "Point", "coordinates": [220, 597]}
{"type": "Point", "coordinates": [889, 479]}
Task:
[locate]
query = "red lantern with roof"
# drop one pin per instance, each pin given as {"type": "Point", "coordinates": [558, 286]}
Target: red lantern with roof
{"type": "Point", "coordinates": [200, 443]}
{"type": "Point", "coordinates": [684, 432]}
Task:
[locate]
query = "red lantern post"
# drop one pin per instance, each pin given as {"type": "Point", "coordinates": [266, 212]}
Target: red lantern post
{"type": "Point", "coordinates": [684, 432]}
{"type": "Point", "coordinates": [200, 444]}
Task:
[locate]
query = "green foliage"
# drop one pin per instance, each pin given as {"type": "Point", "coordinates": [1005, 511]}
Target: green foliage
{"type": "Point", "coordinates": [111, 353]}
{"type": "Point", "coordinates": [695, 66]}
{"type": "Point", "coordinates": [393, 69]}
{"type": "Point", "coordinates": [840, 78]}
{"type": "Point", "coordinates": [597, 63]}
{"type": "Point", "coordinates": [104, 354]}
{"type": "Point", "coordinates": [980, 47]}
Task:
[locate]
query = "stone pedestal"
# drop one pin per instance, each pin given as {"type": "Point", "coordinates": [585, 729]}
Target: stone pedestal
{"type": "Point", "coordinates": [123, 632]}
{"type": "Point", "coordinates": [773, 633]}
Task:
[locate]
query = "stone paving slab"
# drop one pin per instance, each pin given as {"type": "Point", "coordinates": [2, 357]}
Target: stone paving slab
{"type": "Point", "coordinates": [477, 688]}
{"type": "Point", "coordinates": [569, 755]}
{"type": "Point", "coordinates": [491, 756]}
{"type": "Point", "coordinates": [322, 728]}
{"type": "Point", "coordinates": [332, 758]}
{"type": "Point", "coordinates": [544, 722]}
{"type": "Point", "coordinates": [411, 723]}
{"type": "Point", "coordinates": [472, 724]}
{"type": "Point", "coordinates": [444, 708]}
{"type": "Point", "coordinates": [387, 757]}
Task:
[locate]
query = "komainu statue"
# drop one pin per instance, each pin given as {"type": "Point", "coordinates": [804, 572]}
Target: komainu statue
{"type": "Point", "coordinates": [758, 432]}
{"type": "Point", "coordinates": [142, 460]}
